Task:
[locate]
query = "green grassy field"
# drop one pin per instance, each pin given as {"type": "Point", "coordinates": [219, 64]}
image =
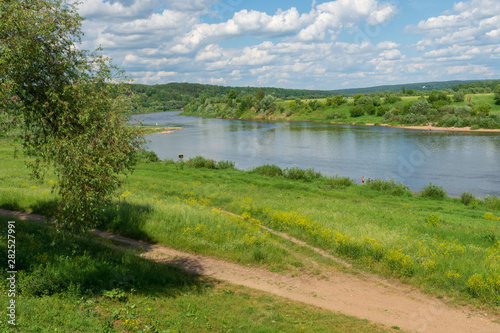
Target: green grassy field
{"type": "Point", "coordinates": [85, 284]}
{"type": "Point", "coordinates": [69, 284]}
{"type": "Point", "coordinates": [439, 245]}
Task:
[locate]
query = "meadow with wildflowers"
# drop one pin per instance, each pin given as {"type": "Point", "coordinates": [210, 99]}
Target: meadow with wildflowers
{"type": "Point", "coordinates": [437, 244]}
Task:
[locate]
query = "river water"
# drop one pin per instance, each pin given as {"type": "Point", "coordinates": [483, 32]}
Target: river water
{"type": "Point", "coordinates": [457, 161]}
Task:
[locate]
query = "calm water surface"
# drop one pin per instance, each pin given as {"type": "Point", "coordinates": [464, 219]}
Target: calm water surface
{"type": "Point", "coordinates": [457, 161]}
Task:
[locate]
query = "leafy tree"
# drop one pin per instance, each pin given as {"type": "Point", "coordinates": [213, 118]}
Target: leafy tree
{"type": "Point", "coordinates": [259, 95]}
{"type": "Point", "coordinates": [420, 107]}
{"type": "Point", "coordinates": [356, 111]}
{"type": "Point", "coordinates": [73, 117]}
{"type": "Point", "coordinates": [496, 91]}
{"type": "Point", "coordinates": [366, 103]}
{"type": "Point", "coordinates": [438, 98]}
{"type": "Point", "coordinates": [335, 100]}
{"type": "Point", "coordinates": [357, 97]}
{"type": "Point", "coordinates": [458, 96]}
{"type": "Point", "coordinates": [231, 95]}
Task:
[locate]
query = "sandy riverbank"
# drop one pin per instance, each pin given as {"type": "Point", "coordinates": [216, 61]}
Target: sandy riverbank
{"type": "Point", "coordinates": [166, 131]}
{"type": "Point", "coordinates": [446, 129]}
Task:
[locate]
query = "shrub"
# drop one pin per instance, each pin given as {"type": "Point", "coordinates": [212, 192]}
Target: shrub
{"type": "Point", "coordinates": [297, 173]}
{"type": "Point", "coordinates": [357, 111]}
{"type": "Point", "coordinates": [333, 115]}
{"type": "Point", "coordinates": [392, 98]}
{"type": "Point", "coordinates": [146, 156]}
{"type": "Point", "coordinates": [201, 162]}
{"type": "Point", "coordinates": [366, 102]}
{"type": "Point", "coordinates": [270, 170]}
{"type": "Point", "coordinates": [493, 202]}
{"type": "Point", "coordinates": [389, 187]}
{"type": "Point", "coordinates": [439, 98]}
{"type": "Point", "coordinates": [432, 219]}
{"type": "Point", "coordinates": [340, 182]}
{"type": "Point", "coordinates": [458, 96]}
{"type": "Point", "coordinates": [433, 191]}
{"type": "Point", "coordinates": [225, 165]}
{"type": "Point", "coordinates": [420, 107]}
{"type": "Point", "coordinates": [381, 110]}
{"type": "Point", "coordinates": [467, 198]}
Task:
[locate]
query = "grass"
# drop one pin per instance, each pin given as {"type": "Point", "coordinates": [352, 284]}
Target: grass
{"type": "Point", "coordinates": [82, 284]}
{"type": "Point", "coordinates": [439, 245]}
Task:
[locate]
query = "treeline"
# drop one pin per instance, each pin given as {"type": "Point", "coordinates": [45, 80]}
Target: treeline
{"type": "Point", "coordinates": [174, 96]}
{"type": "Point", "coordinates": [446, 108]}
{"type": "Point", "coordinates": [478, 87]}
{"type": "Point", "coordinates": [417, 88]}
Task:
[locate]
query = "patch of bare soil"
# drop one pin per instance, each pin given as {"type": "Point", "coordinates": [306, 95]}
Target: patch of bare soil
{"type": "Point", "coordinates": [363, 296]}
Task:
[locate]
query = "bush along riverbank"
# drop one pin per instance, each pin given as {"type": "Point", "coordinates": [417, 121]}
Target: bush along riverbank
{"type": "Point", "coordinates": [437, 108]}
{"type": "Point", "coordinates": [445, 246]}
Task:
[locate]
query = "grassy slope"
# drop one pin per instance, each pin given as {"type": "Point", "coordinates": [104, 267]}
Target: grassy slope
{"type": "Point", "coordinates": [73, 284]}
{"type": "Point", "coordinates": [438, 245]}
{"type": "Point", "coordinates": [69, 284]}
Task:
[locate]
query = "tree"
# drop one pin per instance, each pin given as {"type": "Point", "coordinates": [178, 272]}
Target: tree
{"type": "Point", "coordinates": [496, 91]}
{"type": "Point", "coordinates": [74, 111]}
{"type": "Point", "coordinates": [366, 103]}
{"type": "Point", "coordinates": [420, 107]}
{"type": "Point", "coordinates": [438, 99]}
{"type": "Point", "coordinates": [259, 94]}
{"type": "Point", "coordinates": [231, 95]}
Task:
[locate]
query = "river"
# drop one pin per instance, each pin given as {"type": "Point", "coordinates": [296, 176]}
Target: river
{"type": "Point", "coordinates": [457, 161]}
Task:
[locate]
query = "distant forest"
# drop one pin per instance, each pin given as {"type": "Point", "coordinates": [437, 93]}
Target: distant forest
{"type": "Point", "coordinates": [174, 96]}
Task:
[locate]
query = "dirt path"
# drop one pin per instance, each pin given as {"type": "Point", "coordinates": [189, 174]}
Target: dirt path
{"type": "Point", "coordinates": [363, 296]}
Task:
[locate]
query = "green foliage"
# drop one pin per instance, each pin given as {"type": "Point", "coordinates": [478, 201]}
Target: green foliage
{"type": "Point", "coordinates": [146, 156]}
{"type": "Point", "coordinates": [389, 187]}
{"type": "Point", "coordinates": [231, 95]}
{"type": "Point", "coordinates": [259, 94]}
{"type": "Point", "coordinates": [270, 170]}
{"type": "Point", "coordinates": [493, 202]}
{"type": "Point", "coordinates": [467, 198]}
{"type": "Point", "coordinates": [297, 173]}
{"type": "Point", "coordinates": [74, 119]}
{"type": "Point", "coordinates": [420, 107]}
{"type": "Point", "coordinates": [432, 219]}
{"type": "Point", "coordinates": [438, 98]}
{"type": "Point", "coordinates": [482, 109]}
{"type": "Point", "coordinates": [434, 191]}
{"type": "Point", "coordinates": [116, 294]}
{"type": "Point", "coordinates": [391, 98]}
{"type": "Point", "coordinates": [356, 111]}
{"type": "Point", "coordinates": [366, 103]}
{"type": "Point", "coordinates": [335, 101]}
{"type": "Point", "coordinates": [497, 94]}
{"type": "Point", "coordinates": [202, 162]}
{"type": "Point", "coordinates": [458, 96]}
{"type": "Point", "coordinates": [340, 182]}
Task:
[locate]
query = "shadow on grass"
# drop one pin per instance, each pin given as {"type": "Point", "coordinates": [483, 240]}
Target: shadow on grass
{"type": "Point", "coordinates": [45, 207]}
{"type": "Point", "coordinates": [127, 219]}
{"type": "Point", "coordinates": [51, 262]}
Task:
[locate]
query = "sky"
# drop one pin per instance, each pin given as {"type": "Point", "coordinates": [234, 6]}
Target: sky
{"type": "Point", "coordinates": [324, 45]}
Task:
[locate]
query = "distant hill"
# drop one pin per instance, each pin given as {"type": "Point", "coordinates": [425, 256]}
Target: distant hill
{"type": "Point", "coordinates": [174, 96]}
{"type": "Point", "coordinates": [421, 86]}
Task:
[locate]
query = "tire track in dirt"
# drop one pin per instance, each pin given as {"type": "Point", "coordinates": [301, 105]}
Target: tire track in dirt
{"type": "Point", "coordinates": [375, 299]}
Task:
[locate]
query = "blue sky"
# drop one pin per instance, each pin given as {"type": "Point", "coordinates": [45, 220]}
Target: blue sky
{"type": "Point", "coordinates": [297, 44]}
